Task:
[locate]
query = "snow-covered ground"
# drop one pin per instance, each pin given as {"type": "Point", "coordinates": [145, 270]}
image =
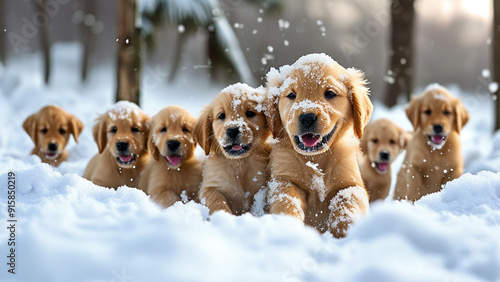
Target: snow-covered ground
{"type": "Point", "coordinates": [71, 230]}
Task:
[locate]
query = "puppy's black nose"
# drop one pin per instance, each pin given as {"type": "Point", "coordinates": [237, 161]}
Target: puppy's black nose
{"type": "Point", "coordinates": [308, 120]}
{"type": "Point", "coordinates": [121, 146]}
{"type": "Point", "coordinates": [233, 132]}
{"type": "Point", "coordinates": [384, 156]}
{"type": "Point", "coordinates": [52, 147]}
{"type": "Point", "coordinates": [173, 145]}
{"type": "Point", "coordinates": [438, 128]}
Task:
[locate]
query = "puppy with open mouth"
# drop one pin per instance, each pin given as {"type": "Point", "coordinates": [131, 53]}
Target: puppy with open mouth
{"type": "Point", "coordinates": [434, 155]}
{"type": "Point", "coordinates": [381, 143]}
{"type": "Point", "coordinates": [121, 134]}
{"type": "Point", "coordinates": [317, 111]}
{"type": "Point", "coordinates": [233, 132]}
{"type": "Point", "coordinates": [174, 172]}
{"type": "Point", "coordinates": [50, 129]}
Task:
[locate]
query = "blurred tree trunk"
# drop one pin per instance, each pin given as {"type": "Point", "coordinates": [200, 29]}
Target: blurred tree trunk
{"type": "Point", "coordinates": [40, 7]}
{"type": "Point", "coordinates": [179, 46]}
{"type": "Point", "coordinates": [401, 57]}
{"type": "Point", "coordinates": [129, 58]}
{"type": "Point", "coordinates": [3, 55]}
{"type": "Point", "coordinates": [496, 57]}
{"type": "Point", "coordinates": [221, 69]}
{"type": "Point", "coordinates": [87, 36]}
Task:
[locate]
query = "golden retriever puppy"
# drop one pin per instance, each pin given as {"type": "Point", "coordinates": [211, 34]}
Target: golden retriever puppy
{"type": "Point", "coordinates": [50, 129]}
{"type": "Point", "coordinates": [121, 136]}
{"type": "Point", "coordinates": [381, 143]}
{"type": "Point", "coordinates": [174, 172]}
{"type": "Point", "coordinates": [233, 132]}
{"type": "Point", "coordinates": [317, 112]}
{"type": "Point", "coordinates": [434, 155]}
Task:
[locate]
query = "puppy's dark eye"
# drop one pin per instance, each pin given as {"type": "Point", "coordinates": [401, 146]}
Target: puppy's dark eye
{"type": "Point", "coordinates": [113, 130]}
{"type": "Point", "coordinates": [446, 112]}
{"type": "Point", "coordinates": [392, 142]}
{"type": "Point", "coordinates": [428, 112]}
{"type": "Point", "coordinates": [250, 114]}
{"type": "Point", "coordinates": [185, 130]}
{"type": "Point", "coordinates": [135, 129]}
{"type": "Point", "coordinates": [330, 94]}
{"type": "Point", "coordinates": [375, 141]}
{"type": "Point", "coordinates": [163, 129]}
{"type": "Point", "coordinates": [222, 116]}
{"type": "Point", "coordinates": [291, 96]}
{"type": "Point", "coordinates": [62, 131]}
{"type": "Point", "coordinates": [44, 131]}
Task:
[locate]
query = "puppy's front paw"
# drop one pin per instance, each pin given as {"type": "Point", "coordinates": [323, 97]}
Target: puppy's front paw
{"type": "Point", "coordinates": [348, 206]}
{"type": "Point", "coordinates": [284, 198]}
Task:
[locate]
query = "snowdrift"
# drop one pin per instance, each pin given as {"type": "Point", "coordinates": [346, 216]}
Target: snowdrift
{"type": "Point", "coordinates": [69, 229]}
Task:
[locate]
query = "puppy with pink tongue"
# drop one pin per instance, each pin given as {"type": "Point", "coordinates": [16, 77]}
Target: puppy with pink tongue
{"type": "Point", "coordinates": [174, 173]}
{"type": "Point", "coordinates": [381, 143]}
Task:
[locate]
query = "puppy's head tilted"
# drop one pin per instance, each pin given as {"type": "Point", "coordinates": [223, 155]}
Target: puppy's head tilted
{"type": "Point", "coordinates": [437, 113]}
{"type": "Point", "coordinates": [123, 131]}
{"type": "Point", "coordinates": [171, 136]}
{"type": "Point", "coordinates": [50, 129]}
{"type": "Point", "coordinates": [382, 142]}
{"type": "Point", "coordinates": [316, 101]}
{"type": "Point", "coordinates": [233, 123]}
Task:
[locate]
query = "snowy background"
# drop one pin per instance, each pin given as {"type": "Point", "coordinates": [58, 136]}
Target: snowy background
{"type": "Point", "coordinates": [71, 230]}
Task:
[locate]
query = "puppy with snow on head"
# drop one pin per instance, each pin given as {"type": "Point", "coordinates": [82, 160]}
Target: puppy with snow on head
{"type": "Point", "coordinates": [50, 129]}
{"type": "Point", "coordinates": [434, 154]}
{"type": "Point", "coordinates": [174, 172]}
{"type": "Point", "coordinates": [121, 136]}
{"type": "Point", "coordinates": [381, 143]}
{"type": "Point", "coordinates": [317, 112]}
{"type": "Point", "coordinates": [233, 132]}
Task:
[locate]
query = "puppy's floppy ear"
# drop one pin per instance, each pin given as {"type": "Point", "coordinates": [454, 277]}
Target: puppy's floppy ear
{"type": "Point", "coordinates": [273, 119]}
{"type": "Point", "coordinates": [75, 126]}
{"type": "Point", "coordinates": [203, 131]}
{"type": "Point", "coordinates": [461, 115]}
{"type": "Point", "coordinates": [362, 107]}
{"type": "Point", "coordinates": [413, 111]}
{"type": "Point", "coordinates": [30, 126]}
{"type": "Point", "coordinates": [153, 150]}
{"type": "Point", "coordinates": [99, 131]}
{"type": "Point", "coordinates": [404, 138]}
{"type": "Point", "coordinates": [364, 142]}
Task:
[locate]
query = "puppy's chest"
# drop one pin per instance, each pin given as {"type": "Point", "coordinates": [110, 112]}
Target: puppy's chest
{"type": "Point", "coordinates": [432, 161]}
{"type": "Point", "coordinates": [250, 178]}
{"type": "Point", "coordinates": [320, 179]}
{"type": "Point", "coordinates": [181, 178]}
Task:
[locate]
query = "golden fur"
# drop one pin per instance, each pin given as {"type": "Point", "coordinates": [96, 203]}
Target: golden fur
{"type": "Point", "coordinates": [381, 143]}
{"type": "Point", "coordinates": [125, 127]}
{"type": "Point", "coordinates": [174, 170]}
{"type": "Point", "coordinates": [319, 182]}
{"type": "Point", "coordinates": [233, 132]}
{"type": "Point", "coordinates": [50, 129]}
{"type": "Point", "coordinates": [432, 158]}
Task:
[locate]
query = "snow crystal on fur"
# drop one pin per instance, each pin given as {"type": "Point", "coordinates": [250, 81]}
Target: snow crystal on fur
{"type": "Point", "coordinates": [348, 197]}
{"type": "Point", "coordinates": [241, 91]}
{"type": "Point", "coordinates": [434, 86]}
{"type": "Point", "coordinates": [318, 182]}
{"type": "Point", "coordinates": [273, 185]}
{"type": "Point", "coordinates": [123, 110]}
